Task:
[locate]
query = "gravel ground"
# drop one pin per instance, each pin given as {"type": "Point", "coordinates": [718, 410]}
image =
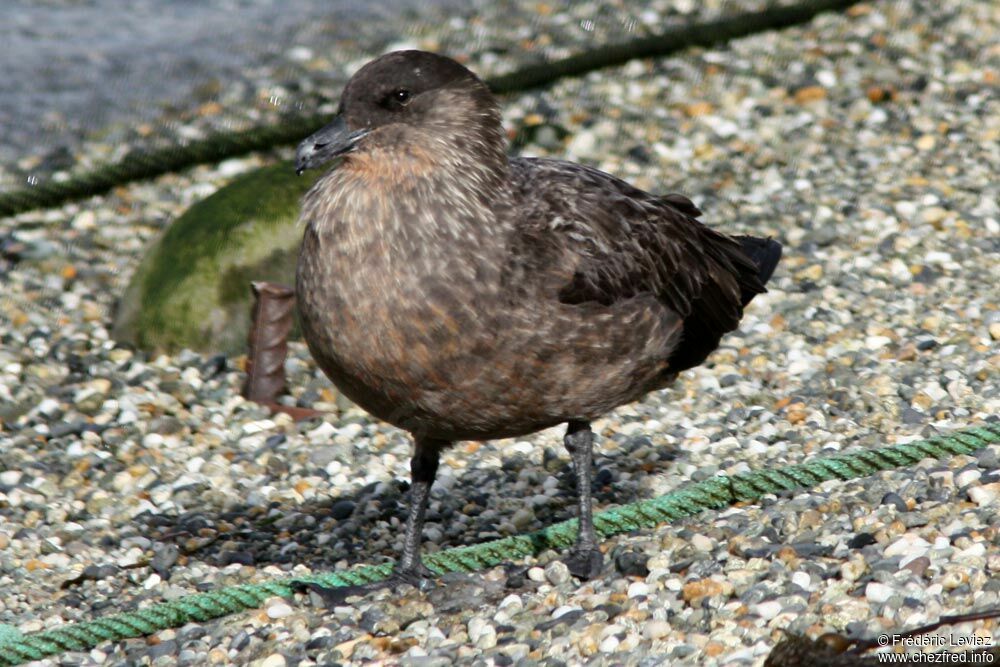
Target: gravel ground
{"type": "Point", "coordinates": [866, 142]}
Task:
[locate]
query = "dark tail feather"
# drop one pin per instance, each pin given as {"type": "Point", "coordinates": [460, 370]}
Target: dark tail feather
{"type": "Point", "coordinates": [765, 253]}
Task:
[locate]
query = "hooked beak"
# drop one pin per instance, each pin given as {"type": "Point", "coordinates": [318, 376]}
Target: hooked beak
{"type": "Point", "coordinates": [325, 144]}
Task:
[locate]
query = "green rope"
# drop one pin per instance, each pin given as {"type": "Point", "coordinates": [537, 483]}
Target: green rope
{"type": "Point", "coordinates": [713, 493]}
{"type": "Point", "coordinates": [149, 163]}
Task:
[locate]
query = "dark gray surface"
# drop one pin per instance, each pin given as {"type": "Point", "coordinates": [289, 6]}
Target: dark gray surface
{"type": "Point", "coordinates": [75, 66]}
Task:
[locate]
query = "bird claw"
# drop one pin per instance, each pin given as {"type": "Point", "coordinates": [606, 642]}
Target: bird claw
{"type": "Point", "coordinates": [585, 564]}
{"type": "Point", "coordinates": [336, 596]}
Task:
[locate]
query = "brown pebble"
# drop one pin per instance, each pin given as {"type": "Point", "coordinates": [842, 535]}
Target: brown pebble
{"type": "Point", "coordinates": [918, 565]}
{"type": "Point", "coordinates": [810, 94]}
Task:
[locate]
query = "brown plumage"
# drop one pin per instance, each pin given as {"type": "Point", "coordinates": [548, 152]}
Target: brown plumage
{"type": "Point", "coordinates": [459, 294]}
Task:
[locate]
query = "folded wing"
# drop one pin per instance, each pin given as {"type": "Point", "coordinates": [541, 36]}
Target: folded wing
{"type": "Point", "coordinates": [590, 237]}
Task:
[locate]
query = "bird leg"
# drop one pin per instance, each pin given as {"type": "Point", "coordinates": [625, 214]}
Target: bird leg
{"type": "Point", "coordinates": [585, 560]}
{"type": "Point", "coordinates": [423, 469]}
{"type": "Point", "coordinates": [409, 569]}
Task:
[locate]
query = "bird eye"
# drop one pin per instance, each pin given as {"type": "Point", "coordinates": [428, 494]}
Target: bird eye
{"type": "Point", "coordinates": [401, 96]}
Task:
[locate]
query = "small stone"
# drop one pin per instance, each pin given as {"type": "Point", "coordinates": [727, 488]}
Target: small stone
{"type": "Point", "coordinates": [698, 109]}
{"type": "Point", "coordinates": [933, 215]}
{"type": "Point", "coordinates": [342, 509]}
{"type": "Point", "coordinates": [977, 550]}
{"type": "Point", "coordinates": [813, 272]}
{"type": "Point", "coordinates": [523, 518]}
{"type": "Point", "coordinates": [536, 574]}
{"type": "Point", "coordinates": [918, 565]}
{"type": "Point", "coordinates": [767, 610]}
{"type": "Point", "coordinates": [656, 629]}
{"type": "Point", "coordinates": [877, 592]}
{"type": "Point", "coordinates": [995, 330]}
{"type": "Point", "coordinates": [10, 477]}
{"type": "Point", "coordinates": [85, 221]}
{"type": "Point", "coordinates": [512, 603]}
{"type": "Point", "coordinates": [905, 209]}
{"type": "Point", "coordinates": [557, 572]}
{"type": "Point", "coordinates": [925, 142]}
{"type": "Point", "coordinates": [632, 564]}
{"type": "Point", "coordinates": [695, 590]}
{"type": "Point", "coordinates": [637, 588]}
{"type": "Point", "coordinates": [702, 543]}
{"type": "Point", "coordinates": [908, 544]}
{"type": "Point", "coordinates": [278, 609]}
{"type": "Point", "coordinates": [895, 500]}
{"type": "Point", "coordinates": [273, 660]}
{"type": "Point", "coordinates": [861, 540]}
{"type": "Point", "coordinates": [808, 94]}
{"type": "Point", "coordinates": [967, 477]}
{"type": "Point", "coordinates": [852, 570]}
{"type": "Point", "coordinates": [482, 633]}
{"type": "Point", "coordinates": [609, 644]}
{"type": "Point", "coordinates": [986, 494]}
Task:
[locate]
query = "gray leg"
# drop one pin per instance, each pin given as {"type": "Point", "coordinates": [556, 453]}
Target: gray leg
{"type": "Point", "coordinates": [585, 561]}
{"type": "Point", "coordinates": [409, 569]}
{"type": "Point", "coordinates": [423, 469]}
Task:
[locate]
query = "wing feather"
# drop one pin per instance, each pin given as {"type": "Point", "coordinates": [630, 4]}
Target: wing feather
{"type": "Point", "coordinates": [594, 238]}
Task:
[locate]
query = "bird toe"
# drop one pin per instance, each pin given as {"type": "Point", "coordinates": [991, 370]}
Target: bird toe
{"type": "Point", "coordinates": [585, 564]}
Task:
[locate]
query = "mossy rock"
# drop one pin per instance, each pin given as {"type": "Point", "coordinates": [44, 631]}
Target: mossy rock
{"type": "Point", "coordinates": [192, 288]}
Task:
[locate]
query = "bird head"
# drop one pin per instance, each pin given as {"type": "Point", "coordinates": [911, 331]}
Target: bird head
{"type": "Point", "coordinates": [405, 99]}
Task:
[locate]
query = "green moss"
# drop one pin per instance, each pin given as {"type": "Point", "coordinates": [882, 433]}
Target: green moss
{"type": "Point", "coordinates": [193, 287]}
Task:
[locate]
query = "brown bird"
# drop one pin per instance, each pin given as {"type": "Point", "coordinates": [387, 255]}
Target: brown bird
{"type": "Point", "coordinates": [463, 295]}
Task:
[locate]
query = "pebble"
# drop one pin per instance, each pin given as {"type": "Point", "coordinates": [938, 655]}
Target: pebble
{"type": "Point", "coordinates": [878, 593]}
{"type": "Point", "coordinates": [985, 495]}
{"type": "Point", "coordinates": [802, 580]}
{"type": "Point", "coordinates": [536, 574]}
{"type": "Point", "coordinates": [273, 660]}
{"type": "Point", "coordinates": [908, 544]}
{"type": "Point", "coordinates": [278, 609]}
{"type": "Point", "coordinates": [656, 629]}
{"type": "Point", "coordinates": [637, 588]}
{"type": "Point", "coordinates": [768, 610]}
{"type": "Point", "coordinates": [557, 572]}
{"type": "Point", "coordinates": [702, 543]}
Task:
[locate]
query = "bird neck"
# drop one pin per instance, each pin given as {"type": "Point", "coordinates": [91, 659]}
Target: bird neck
{"type": "Point", "coordinates": [412, 200]}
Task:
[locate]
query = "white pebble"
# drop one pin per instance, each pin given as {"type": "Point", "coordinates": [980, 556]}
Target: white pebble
{"type": "Point", "coordinates": [977, 550]}
{"type": "Point", "coordinates": [477, 626]}
{"type": "Point", "coordinates": [908, 544]}
{"type": "Point", "coordinates": [273, 660]}
{"type": "Point", "coordinates": [967, 477]}
{"type": "Point", "coordinates": [278, 609]}
{"type": "Point", "coordinates": [557, 572]}
{"type": "Point", "coordinates": [905, 209]}
{"type": "Point", "coordinates": [826, 78]}
{"type": "Point", "coordinates": [299, 54]}
{"type": "Point", "coordinates": [986, 494]}
{"type": "Point", "coordinates": [10, 477]}
{"type": "Point", "coordinates": [702, 543]}
{"type": "Point", "coordinates": [656, 629]}
{"type": "Point", "coordinates": [563, 610]}
{"type": "Point", "coordinates": [512, 603]}
{"type": "Point", "coordinates": [877, 592]}
{"type": "Point", "coordinates": [767, 610]}
{"type": "Point", "coordinates": [637, 588]}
